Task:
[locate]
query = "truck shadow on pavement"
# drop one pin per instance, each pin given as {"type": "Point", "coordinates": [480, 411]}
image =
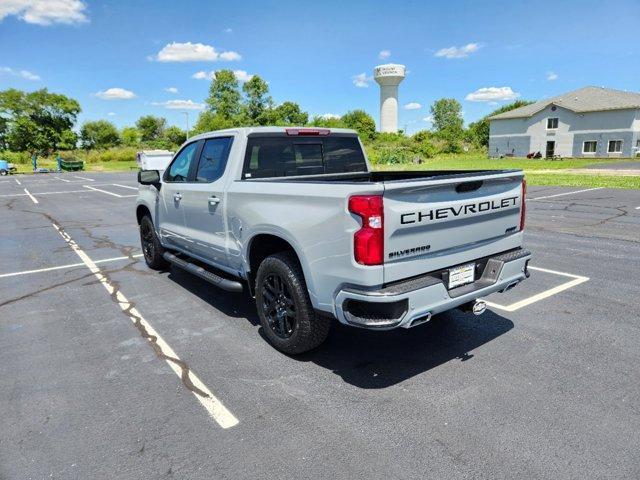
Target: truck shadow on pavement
{"type": "Point", "coordinates": [369, 359]}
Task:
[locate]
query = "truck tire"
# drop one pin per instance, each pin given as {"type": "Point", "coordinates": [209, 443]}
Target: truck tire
{"type": "Point", "coordinates": [287, 317]}
{"type": "Point", "coordinates": [3, 172]}
{"type": "Point", "coordinates": [151, 248]}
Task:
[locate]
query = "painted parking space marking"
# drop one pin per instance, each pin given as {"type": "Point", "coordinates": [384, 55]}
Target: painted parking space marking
{"type": "Point", "coordinates": [63, 179]}
{"type": "Point", "coordinates": [103, 191]}
{"type": "Point", "coordinates": [576, 280]}
{"type": "Point", "coordinates": [65, 267]}
{"type": "Point", "coordinates": [565, 193]}
{"type": "Point", "coordinates": [84, 178]}
{"type": "Point", "coordinates": [124, 186]}
{"type": "Point", "coordinates": [33, 199]}
{"type": "Point", "coordinates": [215, 408]}
{"type": "Point", "coordinates": [17, 181]}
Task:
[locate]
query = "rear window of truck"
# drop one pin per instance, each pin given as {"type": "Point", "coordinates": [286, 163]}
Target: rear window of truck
{"type": "Point", "coordinates": [271, 156]}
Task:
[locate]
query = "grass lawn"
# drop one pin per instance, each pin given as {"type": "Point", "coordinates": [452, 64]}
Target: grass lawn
{"type": "Point", "coordinates": [537, 171]}
{"type": "Point", "coordinates": [115, 166]}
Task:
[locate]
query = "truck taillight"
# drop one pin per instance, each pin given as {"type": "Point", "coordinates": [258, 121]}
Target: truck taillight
{"type": "Point", "coordinates": [369, 240]}
{"type": "Point", "coordinates": [523, 204]}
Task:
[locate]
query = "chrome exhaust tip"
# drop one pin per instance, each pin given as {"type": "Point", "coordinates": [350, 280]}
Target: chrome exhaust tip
{"type": "Point", "coordinates": [479, 307]}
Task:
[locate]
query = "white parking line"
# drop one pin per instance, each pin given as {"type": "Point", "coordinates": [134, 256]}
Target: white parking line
{"type": "Point", "coordinates": [577, 280]}
{"type": "Point", "coordinates": [33, 199]}
{"type": "Point", "coordinates": [103, 191]}
{"type": "Point", "coordinates": [124, 186]}
{"type": "Point", "coordinates": [214, 407]}
{"type": "Point", "coordinates": [17, 181]}
{"type": "Point", "coordinates": [637, 208]}
{"type": "Point", "coordinates": [63, 179]}
{"type": "Point", "coordinates": [84, 178]}
{"type": "Point", "coordinates": [64, 267]}
{"type": "Point", "coordinates": [563, 194]}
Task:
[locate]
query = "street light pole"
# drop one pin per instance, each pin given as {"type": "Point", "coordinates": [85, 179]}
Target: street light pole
{"type": "Point", "coordinates": [186, 114]}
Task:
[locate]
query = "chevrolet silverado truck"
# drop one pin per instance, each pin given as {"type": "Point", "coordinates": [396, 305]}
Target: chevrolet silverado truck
{"type": "Point", "coordinates": [297, 217]}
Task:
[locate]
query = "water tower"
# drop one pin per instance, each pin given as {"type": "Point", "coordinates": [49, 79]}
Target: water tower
{"type": "Point", "coordinates": [389, 77]}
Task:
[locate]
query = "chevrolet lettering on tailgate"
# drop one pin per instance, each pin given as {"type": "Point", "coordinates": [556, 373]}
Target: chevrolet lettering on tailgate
{"type": "Point", "coordinates": [462, 210]}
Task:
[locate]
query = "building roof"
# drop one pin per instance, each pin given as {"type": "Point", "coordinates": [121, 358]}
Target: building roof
{"type": "Point", "coordinates": [587, 99]}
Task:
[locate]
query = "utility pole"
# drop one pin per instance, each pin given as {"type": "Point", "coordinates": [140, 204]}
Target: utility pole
{"type": "Point", "coordinates": [186, 114]}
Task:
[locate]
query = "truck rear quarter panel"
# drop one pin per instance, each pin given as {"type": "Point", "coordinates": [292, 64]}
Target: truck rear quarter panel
{"type": "Point", "coordinates": [313, 218]}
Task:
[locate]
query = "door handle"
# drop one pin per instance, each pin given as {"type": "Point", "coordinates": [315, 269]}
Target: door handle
{"type": "Point", "coordinates": [177, 197]}
{"type": "Point", "coordinates": [213, 200]}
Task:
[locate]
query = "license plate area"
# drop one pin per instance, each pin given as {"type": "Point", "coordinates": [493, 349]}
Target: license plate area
{"type": "Point", "coordinates": [462, 275]}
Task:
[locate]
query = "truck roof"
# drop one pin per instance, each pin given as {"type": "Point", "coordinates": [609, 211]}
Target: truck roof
{"type": "Point", "coordinates": [249, 130]}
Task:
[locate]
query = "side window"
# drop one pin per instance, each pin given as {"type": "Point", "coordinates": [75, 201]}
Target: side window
{"type": "Point", "coordinates": [213, 159]}
{"type": "Point", "coordinates": [179, 169]}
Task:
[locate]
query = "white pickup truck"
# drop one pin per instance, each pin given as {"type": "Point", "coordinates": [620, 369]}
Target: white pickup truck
{"type": "Point", "coordinates": [296, 216]}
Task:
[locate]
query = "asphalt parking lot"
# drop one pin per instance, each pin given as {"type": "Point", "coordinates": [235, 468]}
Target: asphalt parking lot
{"type": "Point", "coordinates": [544, 385]}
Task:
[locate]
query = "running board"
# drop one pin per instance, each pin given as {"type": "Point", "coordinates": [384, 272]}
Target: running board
{"type": "Point", "coordinates": [223, 283]}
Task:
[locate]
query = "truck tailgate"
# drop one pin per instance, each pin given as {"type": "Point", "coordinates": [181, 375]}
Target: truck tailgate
{"type": "Point", "coordinates": [430, 224]}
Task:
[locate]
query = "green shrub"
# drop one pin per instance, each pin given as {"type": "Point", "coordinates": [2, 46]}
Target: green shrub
{"type": "Point", "coordinates": [16, 157]}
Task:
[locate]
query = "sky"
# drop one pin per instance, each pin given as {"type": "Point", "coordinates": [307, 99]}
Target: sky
{"type": "Point", "coordinates": [124, 59]}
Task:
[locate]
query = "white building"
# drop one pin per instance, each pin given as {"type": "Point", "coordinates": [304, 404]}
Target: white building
{"type": "Point", "coordinates": [589, 122]}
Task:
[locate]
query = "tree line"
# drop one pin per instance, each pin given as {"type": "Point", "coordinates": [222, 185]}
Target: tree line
{"type": "Point", "coordinates": [42, 122]}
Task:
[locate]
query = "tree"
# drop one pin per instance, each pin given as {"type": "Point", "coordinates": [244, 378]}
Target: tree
{"type": "Point", "coordinates": [68, 140]}
{"type": "Point", "coordinates": [151, 128]}
{"type": "Point", "coordinates": [175, 136]}
{"type": "Point", "coordinates": [130, 136]}
{"type": "Point", "coordinates": [327, 122]}
{"type": "Point", "coordinates": [36, 122]}
{"type": "Point", "coordinates": [288, 113]}
{"type": "Point", "coordinates": [479, 130]}
{"type": "Point", "coordinates": [360, 121]}
{"type": "Point", "coordinates": [448, 123]}
{"type": "Point", "coordinates": [447, 115]}
{"type": "Point", "coordinates": [99, 134]}
{"type": "Point", "coordinates": [257, 101]}
{"type": "Point", "coordinates": [224, 96]}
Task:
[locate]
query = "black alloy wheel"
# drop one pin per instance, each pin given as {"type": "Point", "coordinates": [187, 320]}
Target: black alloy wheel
{"type": "Point", "coordinates": [278, 306]}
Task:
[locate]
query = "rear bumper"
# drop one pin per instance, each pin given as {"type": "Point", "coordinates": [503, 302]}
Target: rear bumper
{"type": "Point", "coordinates": [411, 302]}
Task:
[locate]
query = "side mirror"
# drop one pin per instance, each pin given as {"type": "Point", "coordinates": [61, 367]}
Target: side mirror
{"type": "Point", "coordinates": [149, 177]}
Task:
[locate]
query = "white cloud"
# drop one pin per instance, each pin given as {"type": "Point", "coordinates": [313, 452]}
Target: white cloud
{"type": "Point", "coordinates": [492, 94]}
{"type": "Point", "coordinates": [26, 74]}
{"type": "Point", "coordinates": [240, 75]}
{"type": "Point", "coordinates": [458, 52]}
{"type": "Point", "coordinates": [193, 52]}
{"type": "Point", "coordinates": [111, 114]}
{"type": "Point", "coordinates": [428, 119]}
{"type": "Point", "coordinates": [180, 105]}
{"type": "Point", "coordinates": [329, 116]}
{"type": "Point", "coordinates": [228, 30]}
{"type": "Point", "coordinates": [230, 56]}
{"type": "Point", "coordinates": [412, 106]}
{"type": "Point", "coordinates": [116, 94]}
{"type": "Point", "coordinates": [551, 76]}
{"type": "Point", "coordinates": [384, 54]}
{"type": "Point", "coordinates": [171, 90]}
{"type": "Point", "coordinates": [45, 12]}
{"type": "Point", "coordinates": [361, 80]}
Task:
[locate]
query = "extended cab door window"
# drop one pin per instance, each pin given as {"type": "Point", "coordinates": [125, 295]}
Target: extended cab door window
{"type": "Point", "coordinates": [179, 169]}
{"type": "Point", "coordinates": [213, 159]}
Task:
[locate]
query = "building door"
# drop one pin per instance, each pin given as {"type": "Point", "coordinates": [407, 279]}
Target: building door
{"type": "Point", "coordinates": [551, 148]}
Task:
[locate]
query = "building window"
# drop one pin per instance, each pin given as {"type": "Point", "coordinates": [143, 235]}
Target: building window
{"type": "Point", "coordinates": [589, 146]}
{"type": "Point", "coordinates": [615, 146]}
{"type": "Point", "coordinates": [552, 123]}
